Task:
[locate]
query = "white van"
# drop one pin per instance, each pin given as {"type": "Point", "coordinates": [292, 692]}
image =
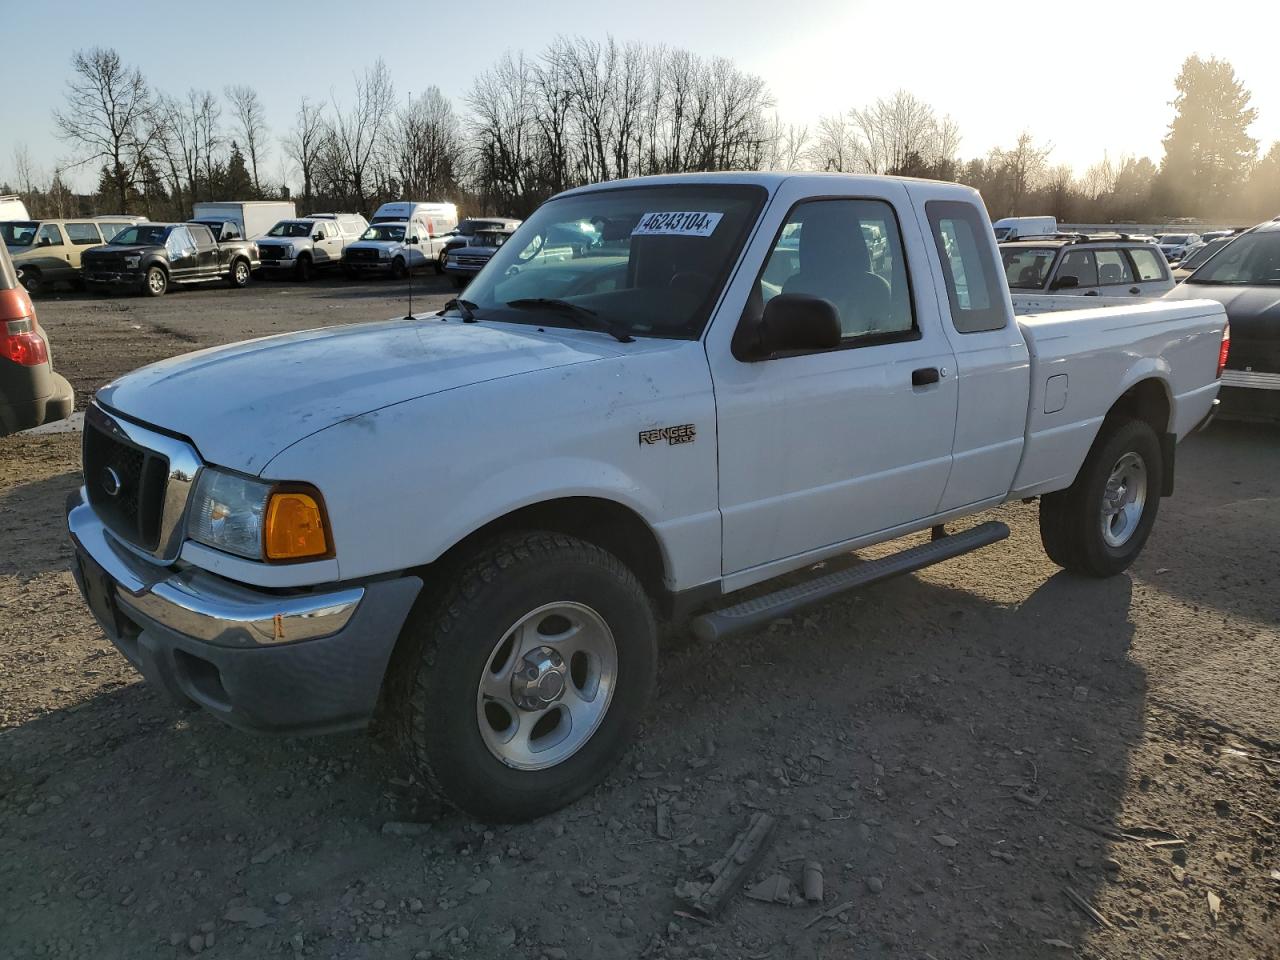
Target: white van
{"type": "Point", "coordinates": [1015, 228]}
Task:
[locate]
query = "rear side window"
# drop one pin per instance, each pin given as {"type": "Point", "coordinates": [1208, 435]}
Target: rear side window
{"type": "Point", "coordinates": [1147, 263]}
{"type": "Point", "coordinates": [83, 234]}
{"type": "Point", "coordinates": [969, 269]}
{"type": "Point", "coordinates": [1113, 268]}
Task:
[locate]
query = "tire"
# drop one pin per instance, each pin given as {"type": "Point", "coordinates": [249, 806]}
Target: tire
{"type": "Point", "coordinates": [238, 276]}
{"type": "Point", "coordinates": [156, 282]}
{"type": "Point", "coordinates": [449, 707]}
{"type": "Point", "coordinates": [398, 269]}
{"type": "Point", "coordinates": [440, 264]}
{"type": "Point", "coordinates": [302, 269]}
{"type": "Point", "coordinates": [31, 279]}
{"type": "Point", "coordinates": [1073, 528]}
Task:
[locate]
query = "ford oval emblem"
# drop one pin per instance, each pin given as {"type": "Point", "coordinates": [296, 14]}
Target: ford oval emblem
{"type": "Point", "coordinates": [110, 482]}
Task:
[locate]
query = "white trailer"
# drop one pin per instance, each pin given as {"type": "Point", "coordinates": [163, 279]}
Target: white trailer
{"type": "Point", "coordinates": [254, 217]}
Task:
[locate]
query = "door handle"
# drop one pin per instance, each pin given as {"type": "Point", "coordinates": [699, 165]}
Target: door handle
{"type": "Point", "coordinates": [1135, 289]}
{"type": "Point", "coordinates": [924, 376]}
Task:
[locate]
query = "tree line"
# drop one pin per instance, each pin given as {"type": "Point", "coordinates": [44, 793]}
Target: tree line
{"type": "Point", "coordinates": [582, 111]}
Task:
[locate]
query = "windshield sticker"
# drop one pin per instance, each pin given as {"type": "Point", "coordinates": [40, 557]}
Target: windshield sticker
{"type": "Point", "coordinates": [679, 223]}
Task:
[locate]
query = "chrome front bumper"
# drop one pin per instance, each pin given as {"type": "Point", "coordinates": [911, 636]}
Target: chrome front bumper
{"type": "Point", "coordinates": [266, 661]}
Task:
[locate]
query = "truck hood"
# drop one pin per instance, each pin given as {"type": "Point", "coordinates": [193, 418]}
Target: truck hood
{"type": "Point", "coordinates": [113, 249]}
{"type": "Point", "coordinates": [243, 404]}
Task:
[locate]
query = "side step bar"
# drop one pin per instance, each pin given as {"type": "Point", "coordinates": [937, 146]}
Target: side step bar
{"type": "Point", "coordinates": [750, 614]}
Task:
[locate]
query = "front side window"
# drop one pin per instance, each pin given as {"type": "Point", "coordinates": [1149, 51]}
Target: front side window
{"type": "Point", "coordinates": [83, 234]}
{"type": "Point", "coordinates": [1027, 268]}
{"type": "Point", "coordinates": [1113, 268]}
{"type": "Point", "coordinates": [968, 267]}
{"type": "Point", "coordinates": [290, 228]}
{"type": "Point", "coordinates": [179, 243]}
{"type": "Point", "coordinates": [1080, 264]}
{"type": "Point", "coordinates": [1251, 259]}
{"type": "Point", "coordinates": [642, 261]}
{"type": "Point", "coordinates": [49, 235]}
{"type": "Point", "coordinates": [1147, 263]}
{"type": "Point", "coordinates": [848, 252]}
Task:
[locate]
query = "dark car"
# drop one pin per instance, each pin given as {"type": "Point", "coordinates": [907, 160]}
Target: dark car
{"type": "Point", "coordinates": [149, 257]}
{"type": "Point", "coordinates": [30, 392]}
{"type": "Point", "coordinates": [1245, 278]}
{"type": "Point", "coordinates": [462, 234]}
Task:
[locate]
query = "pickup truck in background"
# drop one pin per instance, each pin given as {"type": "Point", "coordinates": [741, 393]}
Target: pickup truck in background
{"type": "Point", "coordinates": [314, 242]}
{"type": "Point", "coordinates": [149, 257]}
{"type": "Point", "coordinates": [472, 520]}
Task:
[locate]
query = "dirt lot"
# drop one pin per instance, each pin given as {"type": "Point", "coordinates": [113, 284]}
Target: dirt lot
{"type": "Point", "coordinates": [958, 749]}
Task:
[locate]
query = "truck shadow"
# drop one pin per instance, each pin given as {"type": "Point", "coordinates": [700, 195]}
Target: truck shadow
{"type": "Point", "coordinates": [879, 728]}
{"type": "Point", "coordinates": [35, 538]}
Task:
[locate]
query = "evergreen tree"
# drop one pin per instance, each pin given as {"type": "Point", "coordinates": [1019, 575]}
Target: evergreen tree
{"type": "Point", "coordinates": [237, 184]}
{"type": "Point", "coordinates": [1208, 150]}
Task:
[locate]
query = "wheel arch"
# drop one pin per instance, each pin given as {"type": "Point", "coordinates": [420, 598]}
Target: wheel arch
{"type": "Point", "coordinates": [608, 524]}
{"type": "Point", "coordinates": [1148, 400]}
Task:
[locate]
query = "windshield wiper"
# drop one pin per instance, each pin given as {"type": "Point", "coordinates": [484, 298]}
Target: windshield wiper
{"type": "Point", "coordinates": [463, 307]}
{"type": "Point", "coordinates": [582, 316]}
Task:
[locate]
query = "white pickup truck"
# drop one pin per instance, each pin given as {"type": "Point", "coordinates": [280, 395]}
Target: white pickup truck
{"type": "Point", "coordinates": [472, 520]}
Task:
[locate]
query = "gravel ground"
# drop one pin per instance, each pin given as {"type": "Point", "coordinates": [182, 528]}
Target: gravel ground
{"type": "Point", "coordinates": [962, 751]}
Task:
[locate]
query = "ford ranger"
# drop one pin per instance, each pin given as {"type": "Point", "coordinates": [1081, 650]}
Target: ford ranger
{"type": "Point", "coordinates": [469, 522]}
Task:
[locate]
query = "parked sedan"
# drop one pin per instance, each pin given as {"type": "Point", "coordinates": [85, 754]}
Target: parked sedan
{"type": "Point", "coordinates": [31, 394]}
{"type": "Point", "coordinates": [1245, 278]}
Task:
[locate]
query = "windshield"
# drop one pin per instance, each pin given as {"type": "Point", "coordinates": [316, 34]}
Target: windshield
{"type": "Point", "coordinates": [18, 233]}
{"type": "Point", "coordinates": [1205, 252]}
{"type": "Point", "coordinates": [141, 235]}
{"type": "Point", "coordinates": [1028, 268]}
{"type": "Point", "coordinates": [384, 231]}
{"type": "Point", "coordinates": [290, 228]}
{"type": "Point", "coordinates": [1253, 258]}
{"type": "Point", "coordinates": [648, 261]}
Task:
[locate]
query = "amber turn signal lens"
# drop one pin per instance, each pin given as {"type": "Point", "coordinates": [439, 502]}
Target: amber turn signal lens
{"type": "Point", "coordinates": [295, 527]}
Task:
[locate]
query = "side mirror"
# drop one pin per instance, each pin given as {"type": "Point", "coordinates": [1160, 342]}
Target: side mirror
{"type": "Point", "coordinates": [46, 242]}
{"type": "Point", "coordinates": [798, 321]}
{"type": "Point", "coordinates": [1065, 283]}
{"type": "Point", "coordinates": [317, 237]}
{"type": "Point", "coordinates": [412, 241]}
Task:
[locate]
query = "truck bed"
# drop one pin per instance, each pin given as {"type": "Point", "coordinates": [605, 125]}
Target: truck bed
{"type": "Point", "coordinates": [1079, 353]}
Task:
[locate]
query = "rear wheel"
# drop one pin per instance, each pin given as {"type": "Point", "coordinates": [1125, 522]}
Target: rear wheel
{"type": "Point", "coordinates": [239, 275]}
{"type": "Point", "coordinates": [156, 282]}
{"type": "Point", "coordinates": [1099, 525]}
{"type": "Point", "coordinates": [521, 685]}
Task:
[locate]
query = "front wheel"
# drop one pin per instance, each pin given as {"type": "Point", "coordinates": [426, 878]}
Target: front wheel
{"type": "Point", "coordinates": [302, 269]}
{"type": "Point", "coordinates": [239, 276]}
{"type": "Point", "coordinates": [31, 279]}
{"type": "Point", "coordinates": [440, 264]}
{"type": "Point", "coordinates": [398, 269]}
{"type": "Point", "coordinates": [522, 684]}
{"type": "Point", "coordinates": [156, 282]}
{"type": "Point", "coordinates": [1099, 525]}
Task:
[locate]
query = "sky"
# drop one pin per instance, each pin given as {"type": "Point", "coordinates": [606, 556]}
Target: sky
{"type": "Point", "coordinates": [1089, 78]}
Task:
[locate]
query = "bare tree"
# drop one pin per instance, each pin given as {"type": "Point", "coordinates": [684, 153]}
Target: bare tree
{"type": "Point", "coordinates": [251, 124]}
{"type": "Point", "coordinates": [358, 133]}
{"type": "Point", "coordinates": [787, 146]}
{"type": "Point", "coordinates": [1099, 179]}
{"type": "Point", "coordinates": [424, 145]}
{"type": "Point", "coordinates": [1022, 168]}
{"type": "Point", "coordinates": [504, 127]}
{"type": "Point", "coordinates": [107, 106]}
{"type": "Point", "coordinates": [834, 147]}
{"type": "Point", "coordinates": [304, 144]}
{"type": "Point", "coordinates": [28, 177]}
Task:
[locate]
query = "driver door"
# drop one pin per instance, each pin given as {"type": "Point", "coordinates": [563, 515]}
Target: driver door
{"type": "Point", "coordinates": [820, 448]}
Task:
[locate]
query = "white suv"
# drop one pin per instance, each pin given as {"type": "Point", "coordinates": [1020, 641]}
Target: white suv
{"type": "Point", "coordinates": [1087, 266]}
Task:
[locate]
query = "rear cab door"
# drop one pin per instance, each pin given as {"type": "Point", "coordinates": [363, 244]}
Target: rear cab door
{"type": "Point", "coordinates": [207, 261]}
{"type": "Point", "coordinates": [818, 449]}
{"type": "Point", "coordinates": [992, 366]}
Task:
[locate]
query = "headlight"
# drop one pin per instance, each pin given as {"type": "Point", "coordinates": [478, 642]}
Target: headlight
{"type": "Point", "coordinates": [133, 262]}
{"type": "Point", "coordinates": [260, 521]}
